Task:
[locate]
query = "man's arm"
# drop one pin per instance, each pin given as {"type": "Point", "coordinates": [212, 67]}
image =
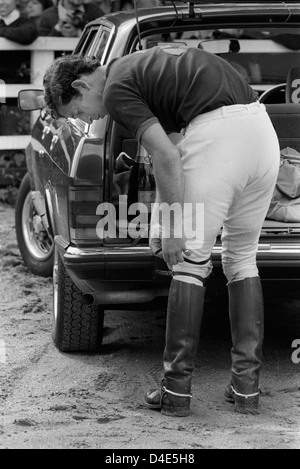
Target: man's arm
{"type": "Point", "coordinates": [169, 179]}
{"type": "Point", "coordinates": [48, 21]}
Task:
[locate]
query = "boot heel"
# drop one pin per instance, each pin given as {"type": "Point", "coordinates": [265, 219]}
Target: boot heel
{"type": "Point", "coordinates": [176, 406]}
{"type": "Point", "coordinates": [248, 405]}
{"type": "Point", "coordinates": [243, 403]}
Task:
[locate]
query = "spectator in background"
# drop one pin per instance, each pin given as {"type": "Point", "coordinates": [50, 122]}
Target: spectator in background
{"type": "Point", "coordinates": [35, 8]}
{"type": "Point", "coordinates": [68, 18]}
{"type": "Point", "coordinates": [15, 26]}
{"type": "Point", "coordinates": [14, 64]}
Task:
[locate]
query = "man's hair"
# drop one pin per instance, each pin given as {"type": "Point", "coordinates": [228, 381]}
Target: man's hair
{"type": "Point", "coordinates": [60, 75]}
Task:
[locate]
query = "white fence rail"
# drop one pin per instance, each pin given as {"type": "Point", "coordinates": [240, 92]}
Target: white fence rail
{"type": "Point", "coordinates": [42, 52]}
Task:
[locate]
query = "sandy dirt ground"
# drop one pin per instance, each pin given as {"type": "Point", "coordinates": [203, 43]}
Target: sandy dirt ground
{"type": "Point", "coordinates": [51, 400]}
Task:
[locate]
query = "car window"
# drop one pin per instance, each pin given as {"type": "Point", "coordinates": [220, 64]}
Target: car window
{"type": "Point", "coordinates": [263, 56]}
{"type": "Point", "coordinates": [101, 44]}
{"type": "Point", "coordinates": [94, 42]}
{"type": "Point", "coordinates": [86, 42]}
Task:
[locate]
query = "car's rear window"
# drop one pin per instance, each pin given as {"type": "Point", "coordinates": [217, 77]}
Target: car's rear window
{"type": "Point", "coordinates": [264, 56]}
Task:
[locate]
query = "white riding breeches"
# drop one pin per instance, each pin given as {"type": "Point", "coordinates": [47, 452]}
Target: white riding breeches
{"type": "Point", "coordinates": [230, 159]}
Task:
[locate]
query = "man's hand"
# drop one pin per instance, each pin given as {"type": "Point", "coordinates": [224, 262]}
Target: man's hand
{"type": "Point", "coordinates": [65, 22]}
{"type": "Point", "coordinates": [173, 249]}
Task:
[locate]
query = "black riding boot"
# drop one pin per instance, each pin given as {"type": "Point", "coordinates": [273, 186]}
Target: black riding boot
{"type": "Point", "coordinates": [246, 313]}
{"type": "Point", "coordinates": [184, 316]}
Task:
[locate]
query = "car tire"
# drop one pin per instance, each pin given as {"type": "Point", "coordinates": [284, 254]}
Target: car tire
{"type": "Point", "coordinates": [35, 244]}
{"type": "Point", "coordinates": [77, 326]}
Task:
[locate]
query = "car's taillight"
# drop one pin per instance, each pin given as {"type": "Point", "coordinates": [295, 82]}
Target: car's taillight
{"type": "Point", "coordinates": [83, 203]}
{"type": "Point", "coordinates": [86, 191]}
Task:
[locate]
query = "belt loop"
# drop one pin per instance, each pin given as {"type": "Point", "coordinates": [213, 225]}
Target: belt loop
{"type": "Point", "coordinates": [224, 111]}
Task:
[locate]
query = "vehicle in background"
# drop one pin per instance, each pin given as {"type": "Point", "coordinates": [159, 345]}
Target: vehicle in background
{"type": "Point", "coordinates": [76, 171]}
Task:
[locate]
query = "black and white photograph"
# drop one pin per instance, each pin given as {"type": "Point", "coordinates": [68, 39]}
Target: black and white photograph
{"type": "Point", "coordinates": [149, 227]}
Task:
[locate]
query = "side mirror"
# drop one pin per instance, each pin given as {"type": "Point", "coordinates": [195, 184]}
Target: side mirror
{"type": "Point", "coordinates": [31, 100]}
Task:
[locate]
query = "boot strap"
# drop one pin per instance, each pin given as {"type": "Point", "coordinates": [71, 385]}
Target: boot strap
{"type": "Point", "coordinates": [175, 393]}
{"type": "Point", "coordinates": [197, 277]}
{"type": "Point", "coordinates": [246, 396]}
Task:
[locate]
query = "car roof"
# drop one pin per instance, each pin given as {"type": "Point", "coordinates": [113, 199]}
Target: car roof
{"type": "Point", "coordinates": [197, 12]}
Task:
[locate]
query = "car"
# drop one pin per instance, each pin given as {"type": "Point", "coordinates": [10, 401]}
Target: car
{"type": "Point", "coordinates": [81, 178]}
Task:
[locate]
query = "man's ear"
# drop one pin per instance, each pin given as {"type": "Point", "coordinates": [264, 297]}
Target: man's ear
{"type": "Point", "coordinates": [80, 85]}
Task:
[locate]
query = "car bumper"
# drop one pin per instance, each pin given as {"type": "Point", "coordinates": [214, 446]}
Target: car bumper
{"type": "Point", "coordinates": [127, 275]}
{"type": "Point", "coordinates": [109, 260]}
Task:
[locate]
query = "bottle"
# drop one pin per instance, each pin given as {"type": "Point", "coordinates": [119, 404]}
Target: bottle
{"type": "Point", "coordinates": [141, 189]}
{"type": "Point", "coordinates": [146, 188]}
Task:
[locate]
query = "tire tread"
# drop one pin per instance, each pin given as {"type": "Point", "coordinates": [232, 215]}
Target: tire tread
{"type": "Point", "coordinates": [79, 327]}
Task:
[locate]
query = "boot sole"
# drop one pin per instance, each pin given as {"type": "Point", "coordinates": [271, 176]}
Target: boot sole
{"type": "Point", "coordinates": [169, 411]}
